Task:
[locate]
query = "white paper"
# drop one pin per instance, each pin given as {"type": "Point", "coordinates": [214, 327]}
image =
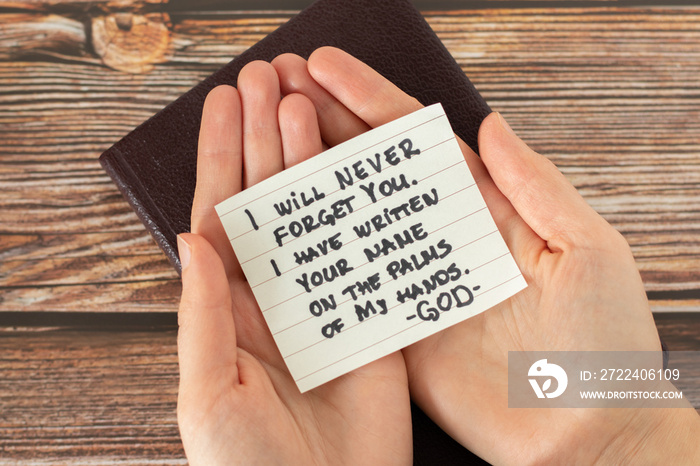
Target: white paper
{"type": "Point", "coordinates": [329, 307]}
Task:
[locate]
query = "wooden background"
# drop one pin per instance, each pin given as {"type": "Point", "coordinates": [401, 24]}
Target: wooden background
{"type": "Point", "coordinates": [88, 364]}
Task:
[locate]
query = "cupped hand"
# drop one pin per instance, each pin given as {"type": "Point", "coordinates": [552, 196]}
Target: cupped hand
{"type": "Point", "coordinates": [584, 292]}
{"type": "Point", "coordinates": [237, 402]}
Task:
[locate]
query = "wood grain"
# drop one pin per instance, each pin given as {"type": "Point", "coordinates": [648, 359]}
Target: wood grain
{"type": "Point", "coordinates": [89, 398]}
{"type": "Point", "coordinates": [86, 397]}
{"type": "Point", "coordinates": [609, 94]}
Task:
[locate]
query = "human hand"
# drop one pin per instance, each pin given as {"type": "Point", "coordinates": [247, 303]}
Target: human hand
{"type": "Point", "coordinates": [584, 292]}
{"type": "Point", "coordinates": [237, 403]}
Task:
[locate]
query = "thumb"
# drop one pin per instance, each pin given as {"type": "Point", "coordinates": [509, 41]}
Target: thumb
{"type": "Point", "coordinates": [538, 191]}
{"type": "Point", "coordinates": [206, 335]}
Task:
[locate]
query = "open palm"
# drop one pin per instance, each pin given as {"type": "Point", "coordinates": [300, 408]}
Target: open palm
{"type": "Point", "coordinates": [584, 292]}
{"type": "Point", "coordinates": [237, 402]}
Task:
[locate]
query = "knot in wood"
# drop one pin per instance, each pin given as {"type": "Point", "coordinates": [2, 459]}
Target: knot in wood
{"type": "Point", "coordinates": [130, 42]}
{"type": "Point", "coordinates": [124, 21]}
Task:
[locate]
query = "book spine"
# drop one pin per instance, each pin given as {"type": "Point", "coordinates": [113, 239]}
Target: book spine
{"type": "Point", "coordinates": [129, 184]}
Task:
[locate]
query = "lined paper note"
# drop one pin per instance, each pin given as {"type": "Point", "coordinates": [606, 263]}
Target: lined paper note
{"type": "Point", "coordinates": [369, 247]}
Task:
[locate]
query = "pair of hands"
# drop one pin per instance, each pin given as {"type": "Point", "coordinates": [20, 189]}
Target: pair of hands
{"type": "Point", "coordinates": [237, 402]}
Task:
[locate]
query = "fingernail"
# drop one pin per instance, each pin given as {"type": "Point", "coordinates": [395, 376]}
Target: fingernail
{"type": "Point", "coordinates": [184, 251]}
{"type": "Point", "coordinates": [505, 125]}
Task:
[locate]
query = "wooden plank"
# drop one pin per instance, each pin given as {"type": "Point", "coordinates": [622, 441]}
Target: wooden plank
{"type": "Point", "coordinates": [109, 397]}
{"type": "Point", "coordinates": [125, 295]}
{"type": "Point", "coordinates": [84, 271]}
{"type": "Point", "coordinates": [38, 247]}
{"type": "Point", "coordinates": [610, 94]}
{"type": "Point", "coordinates": [83, 5]}
{"type": "Point", "coordinates": [89, 398]}
{"type": "Point", "coordinates": [295, 5]}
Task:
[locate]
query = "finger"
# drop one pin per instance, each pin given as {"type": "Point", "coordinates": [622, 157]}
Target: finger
{"type": "Point", "coordinates": [258, 86]}
{"type": "Point", "coordinates": [362, 90]}
{"type": "Point", "coordinates": [207, 335]}
{"type": "Point", "coordinates": [219, 167]}
{"type": "Point", "coordinates": [301, 138]}
{"type": "Point", "coordinates": [377, 101]}
{"type": "Point", "coordinates": [369, 95]}
{"type": "Point", "coordinates": [539, 192]}
{"type": "Point", "coordinates": [337, 123]}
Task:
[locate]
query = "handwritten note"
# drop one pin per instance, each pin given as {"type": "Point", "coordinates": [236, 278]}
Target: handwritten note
{"type": "Point", "coordinates": [369, 247]}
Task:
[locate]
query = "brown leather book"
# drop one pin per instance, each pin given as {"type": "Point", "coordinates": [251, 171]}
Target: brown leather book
{"type": "Point", "coordinates": [154, 165]}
